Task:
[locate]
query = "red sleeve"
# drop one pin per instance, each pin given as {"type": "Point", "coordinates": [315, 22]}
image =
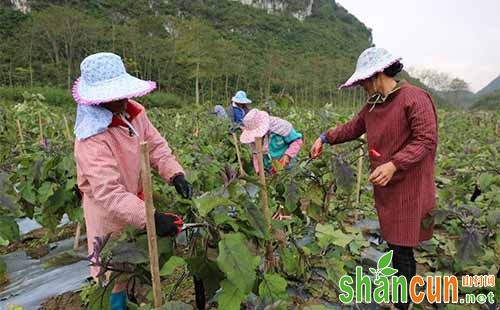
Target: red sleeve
{"type": "Point", "coordinates": [422, 120]}
{"type": "Point", "coordinates": [355, 128]}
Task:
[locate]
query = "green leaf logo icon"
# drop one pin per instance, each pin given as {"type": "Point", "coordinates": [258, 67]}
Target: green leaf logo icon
{"type": "Point", "coordinates": [385, 260]}
{"type": "Point", "coordinates": [383, 269]}
{"type": "Point", "coordinates": [388, 271]}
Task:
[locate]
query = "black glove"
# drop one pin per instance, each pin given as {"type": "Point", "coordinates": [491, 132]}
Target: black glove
{"type": "Point", "coordinates": [167, 224]}
{"type": "Point", "coordinates": [183, 187]}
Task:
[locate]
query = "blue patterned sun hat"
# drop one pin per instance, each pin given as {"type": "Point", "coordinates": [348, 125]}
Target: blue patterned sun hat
{"type": "Point", "coordinates": [241, 97]}
{"type": "Point", "coordinates": [105, 79]}
{"type": "Point", "coordinates": [373, 60]}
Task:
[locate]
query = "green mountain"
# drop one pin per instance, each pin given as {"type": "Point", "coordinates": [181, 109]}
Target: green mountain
{"type": "Point", "coordinates": [490, 88]}
{"type": "Point", "coordinates": [298, 48]}
{"type": "Point", "coordinates": [490, 101]}
{"type": "Point", "coordinates": [460, 98]}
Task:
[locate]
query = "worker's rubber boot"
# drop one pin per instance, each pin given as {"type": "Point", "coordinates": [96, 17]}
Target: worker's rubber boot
{"type": "Point", "coordinates": [118, 301]}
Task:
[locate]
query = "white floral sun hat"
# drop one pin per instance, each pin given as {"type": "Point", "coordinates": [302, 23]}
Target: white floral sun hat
{"type": "Point", "coordinates": [255, 124]}
{"type": "Point", "coordinates": [241, 97]}
{"type": "Point", "coordinates": [105, 79]}
{"type": "Point", "coordinates": [373, 60]}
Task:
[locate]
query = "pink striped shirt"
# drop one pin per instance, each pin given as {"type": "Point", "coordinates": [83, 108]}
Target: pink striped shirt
{"type": "Point", "coordinates": [108, 174]}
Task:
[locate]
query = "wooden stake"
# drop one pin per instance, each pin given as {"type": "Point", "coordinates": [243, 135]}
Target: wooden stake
{"type": "Point", "coordinates": [66, 126]}
{"type": "Point", "coordinates": [20, 131]}
{"type": "Point", "coordinates": [262, 179]}
{"type": "Point", "coordinates": [76, 242]}
{"type": "Point", "coordinates": [40, 126]}
{"type": "Point", "coordinates": [238, 154]}
{"type": "Point", "coordinates": [358, 184]}
{"type": "Point", "coordinates": [150, 224]}
{"type": "Point", "coordinates": [264, 200]}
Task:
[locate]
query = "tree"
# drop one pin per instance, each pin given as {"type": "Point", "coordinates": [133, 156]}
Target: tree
{"type": "Point", "coordinates": [434, 79]}
{"type": "Point", "coordinates": [64, 35]}
{"type": "Point", "coordinates": [458, 88]}
{"type": "Point", "coordinates": [195, 50]}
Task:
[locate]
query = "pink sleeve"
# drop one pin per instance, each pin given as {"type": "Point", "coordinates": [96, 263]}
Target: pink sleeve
{"type": "Point", "coordinates": [255, 163]}
{"type": "Point", "coordinates": [160, 154]}
{"type": "Point", "coordinates": [294, 148]}
{"type": "Point", "coordinates": [96, 163]}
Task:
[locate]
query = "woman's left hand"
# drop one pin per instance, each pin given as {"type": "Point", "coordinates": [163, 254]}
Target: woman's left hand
{"type": "Point", "coordinates": [284, 161]}
{"type": "Point", "coordinates": [382, 174]}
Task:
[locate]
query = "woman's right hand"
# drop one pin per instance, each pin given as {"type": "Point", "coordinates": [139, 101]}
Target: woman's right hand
{"type": "Point", "coordinates": [316, 149]}
{"type": "Point", "coordinates": [168, 224]}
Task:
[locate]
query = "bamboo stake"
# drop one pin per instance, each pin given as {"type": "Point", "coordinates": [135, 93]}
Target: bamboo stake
{"type": "Point", "coordinates": [150, 224]}
{"type": "Point", "coordinates": [264, 200]}
{"type": "Point", "coordinates": [66, 126]}
{"type": "Point", "coordinates": [262, 179]}
{"type": "Point", "coordinates": [40, 126]}
{"type": "Point", "coordinates": [76, 242]}
{"type": "Point", "coordinates": [358, 184]}
{"type": "Point", "coordinates": [20, 130]}
{"type": "Point", "coordinates": [238, 154]}
{"type": "Point", "coordinates": [78, 231]}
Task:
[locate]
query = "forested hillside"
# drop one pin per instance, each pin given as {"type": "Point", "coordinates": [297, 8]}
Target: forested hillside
{"type": "Point", "coordinates": [225, 45]}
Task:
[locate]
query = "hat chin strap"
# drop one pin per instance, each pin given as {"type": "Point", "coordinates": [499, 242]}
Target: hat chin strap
{"type": "Point", "coordinates": [129, 125]}
{"type": "Point", "coordinates": [376, 96]}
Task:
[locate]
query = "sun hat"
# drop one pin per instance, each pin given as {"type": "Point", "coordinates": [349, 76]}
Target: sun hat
{"type": "Point", "coordinates": [219, 111]}
{"type": "Point", "coordinates": [105, 79]}
{"type": "Point", "coordinates": [241, 97]}
{"type": "Point", "coordinates": [255, 124]}
{"type": "Point", "coordinates": [373, 60]}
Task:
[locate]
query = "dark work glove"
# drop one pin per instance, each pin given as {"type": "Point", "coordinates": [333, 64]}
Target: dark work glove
{"type": "Point", "coordinates": [167, 224]}
{"type": "Point", "coordinates": [183, 187]}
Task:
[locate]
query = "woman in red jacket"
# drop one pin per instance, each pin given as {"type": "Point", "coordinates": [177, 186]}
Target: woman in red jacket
{"type": "Point", "coordinates": [400, 123]}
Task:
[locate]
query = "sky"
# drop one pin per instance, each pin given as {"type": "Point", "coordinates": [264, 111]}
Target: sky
{"type": "Point", "coordinates": [459, 37]}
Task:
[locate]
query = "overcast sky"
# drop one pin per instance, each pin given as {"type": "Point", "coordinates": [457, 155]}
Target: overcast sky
{"type": "Point", "coordinates": [455, 36]}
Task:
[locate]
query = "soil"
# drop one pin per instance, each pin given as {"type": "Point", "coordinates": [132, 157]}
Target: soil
{"type": "Point", "coordinates": [37, 252]}
{"type": "Point", "coordinates": [66, 301]}
{"type": "Point", "coordinates": [33, 242]}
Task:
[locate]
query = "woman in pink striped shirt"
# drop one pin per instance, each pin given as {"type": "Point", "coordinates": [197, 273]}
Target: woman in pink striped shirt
{"type": "Point", "coordinates": [109, 128]}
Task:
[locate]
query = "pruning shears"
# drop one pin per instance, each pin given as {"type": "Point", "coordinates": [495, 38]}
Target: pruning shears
{"type": "Point", "coordinates": [374, 153]}
{"type": "Point", "coordinates": [187, 226]}
{"type": "Point", "coordinates": [181, 226]}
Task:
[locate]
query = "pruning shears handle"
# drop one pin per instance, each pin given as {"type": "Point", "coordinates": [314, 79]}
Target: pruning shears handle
{"type": "Point", "coordinates": [374, 153]}
{"type": "Point", "coordinates": [193, 225]}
